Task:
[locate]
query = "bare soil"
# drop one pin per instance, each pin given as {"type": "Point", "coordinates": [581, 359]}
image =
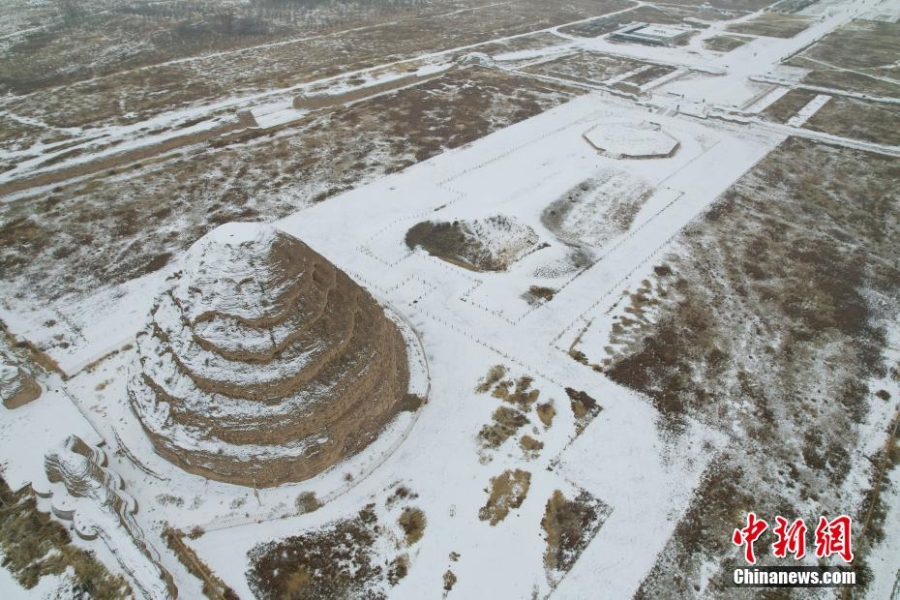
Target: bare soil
{"type": "Point", "coordinates": [334, 562]}
{"type": "Point", "coordinates": [123, 94]}
{"type": "Point", "coordinates": [596, 210]}
{"type": "Point", "coordinates": [651, 74]}
{"type": "Point", "coordinates": [545, 413]}
{"type": "Point", "coordinates": [518, 393]}
{"type": "Point", "coordinates": [213, 587]}
{"type": "Point", "coordinates": [589, 67]}
{"type": "Point", "coordinates": [412, 522]}
{"type": "Point", "coordinates": [584, 408]}
{"type": "Point", "coordinates": [538, 294]}
{"type": "Point", "coordinates": [530, 446]}
{"type": "Point", "coordinates": [506, 421]}
{"type": "Point", "coordinates": [493, 376]}
{"type": "Point", "coordinates": [672, 14]}
{"type": "Point", "coordinates": [859, 120]}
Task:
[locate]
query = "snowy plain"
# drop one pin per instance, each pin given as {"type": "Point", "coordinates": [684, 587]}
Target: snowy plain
{"type": "Point", "coordinates": [466, 322]}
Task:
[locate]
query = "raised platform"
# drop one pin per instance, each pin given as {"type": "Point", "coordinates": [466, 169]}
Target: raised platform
{"type": "Point", "coordinates": [631, 139]}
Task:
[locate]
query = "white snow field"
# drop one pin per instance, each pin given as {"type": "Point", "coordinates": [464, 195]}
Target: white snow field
{"type": "Point", "coordinates": [650, 164]}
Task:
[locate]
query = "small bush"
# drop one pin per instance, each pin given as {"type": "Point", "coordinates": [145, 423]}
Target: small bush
{"type": "Point", "coordinates": [412, 522]}
{"type": "Point", "coordinates": [508, 491]}
{"type": "Point", "coordinates": [307, 503]}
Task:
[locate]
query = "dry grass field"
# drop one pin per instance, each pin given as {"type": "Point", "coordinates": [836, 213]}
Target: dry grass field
{"type": "Point", "coordinates": [859, 120]}
{"type": "Point", "coordinates": [858, 57]}
{"type": "Point", "coordinates": [811, 276]}
{"type": "Point", "coordinates": [587, 67]}
{"type": "Point", "coordinates": [787, 106]}
{"type": "Point", "coordinates": [773, 25]}
{"type": "Point", "coordinates": [842, 116]}
{"type": "Point", "coordinates": [725, 43]}
{"type": "Point", "coordinates": [129, 94]}
{"type": "Point", "coordinates": [124, 223]}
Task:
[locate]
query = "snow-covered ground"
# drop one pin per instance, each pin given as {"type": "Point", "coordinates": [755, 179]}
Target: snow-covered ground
{"type": "Point", "coordinates": [458, 324]}
{"type": "Point", "coordinates": [518, 171]}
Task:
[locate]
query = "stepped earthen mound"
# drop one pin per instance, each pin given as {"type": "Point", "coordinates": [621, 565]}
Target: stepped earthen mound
{"type": "Point", "coordinates": [17, 385]}
{"type": "Point", "coordinates": [264, 363]}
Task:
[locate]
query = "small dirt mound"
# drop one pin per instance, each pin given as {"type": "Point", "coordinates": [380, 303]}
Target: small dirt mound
{"type": "Point", "coordinates": [490, 244]}
{"type": "Point", "coordinates": [597, 210]}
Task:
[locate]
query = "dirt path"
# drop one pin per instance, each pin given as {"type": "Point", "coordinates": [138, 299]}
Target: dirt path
{"type": "Point", "coordinates": [319, 101]}
{"type": "Point", "coordinates": [124, 158]}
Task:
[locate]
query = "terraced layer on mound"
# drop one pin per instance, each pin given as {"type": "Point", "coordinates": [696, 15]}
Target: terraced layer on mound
{"type": "Point", "coordinates": [17, 385]}
{"type": "Point", "coordinates": [264, 363]}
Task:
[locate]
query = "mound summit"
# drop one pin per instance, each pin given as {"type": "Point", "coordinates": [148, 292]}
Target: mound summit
{"type": "Point", "coordinates": [264, 363]}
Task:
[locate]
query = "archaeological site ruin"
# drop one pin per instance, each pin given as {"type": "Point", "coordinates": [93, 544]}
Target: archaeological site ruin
{"type": "Point", "coordinates": [264, 363]}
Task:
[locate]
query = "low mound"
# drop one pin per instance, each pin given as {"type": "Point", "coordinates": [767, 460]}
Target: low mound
{"type": "Point", "coordinates": [490, 244]}
{"type": "Point", "coordinates": [597, 210]}
{"type": "Point", "coordinates": [631, 140]}
{"type": "Point", "coordinates": [264, 363]}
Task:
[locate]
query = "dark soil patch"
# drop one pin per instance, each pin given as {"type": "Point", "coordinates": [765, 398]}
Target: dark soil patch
{"type": "Point", "coordinates": [398, 569]}
{"type": "Point", "coordinates": [452, 242]}
{"type": "Point", "coordinates": [773, 25]}
{"type": "Point", "coordinates": [463, 243]}
{"type": "Point", "coordinates": [651, 74]}
{"type": "Point", "coordinates": [545, 413]}
{"type": "Point", "coordinates": [518, 393]}
{"type": "Point", "coordinates": [530, 446]}
{"type": "Point", "coordinates": [538, 294]}
{"type": "Point", "coordinates": [859, 120]}
{"type": "Point", "coordinates": [494, 375]}
{"type": "Point", "coordinates": [449, 580]}
{"type": "Point", "coordinates": [412, 522]}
